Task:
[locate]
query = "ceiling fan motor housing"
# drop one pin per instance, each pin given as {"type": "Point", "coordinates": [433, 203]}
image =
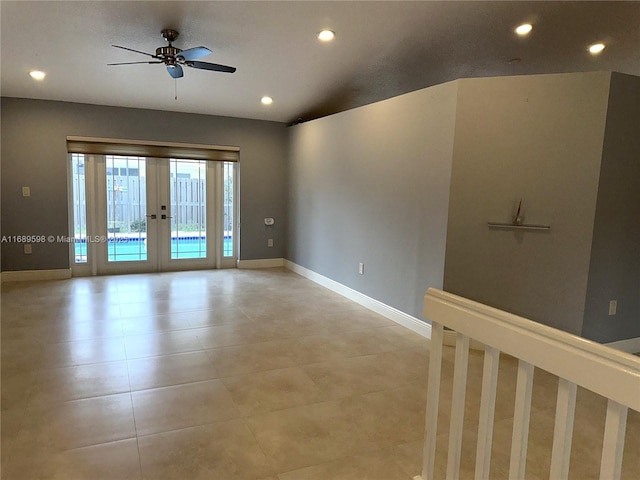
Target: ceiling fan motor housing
{"type": "Point", "coordinates": [167, 52]}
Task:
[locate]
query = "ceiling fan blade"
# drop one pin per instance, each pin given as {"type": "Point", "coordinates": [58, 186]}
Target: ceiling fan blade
{"type": "Point", "coordinates": [211, 66]}
{"type": "Point", "coordinates": [175, 71]}
{"type": "Point", "coordinates": [133, 63]}
{"type": "Point", "coordinates": [193, 53]}
{"type": "Point", "coordinates": [132, 50]}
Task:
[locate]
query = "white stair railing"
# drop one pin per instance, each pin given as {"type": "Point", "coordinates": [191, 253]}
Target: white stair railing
{"type": "Point", "coordinates": [576, 361]}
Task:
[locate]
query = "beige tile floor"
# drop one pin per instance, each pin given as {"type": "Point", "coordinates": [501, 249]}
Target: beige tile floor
{"type": "Point", "coordinates": [247, 375]}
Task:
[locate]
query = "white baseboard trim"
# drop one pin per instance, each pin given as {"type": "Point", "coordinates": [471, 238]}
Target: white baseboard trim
{"type": "Point", "coordinates": [630, 345]}
{"type": "Point", "coordinates": [261, 263]}
{"type": "Point", "coordinates": [401, 318]}
{"type": "Point", "coordinates": [35, 275]}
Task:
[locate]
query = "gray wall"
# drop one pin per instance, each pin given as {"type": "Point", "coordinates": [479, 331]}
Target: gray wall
{"type": "Point", "coordinates": [34, 154]}
{"type": "Point", "coordinates": [538, 138]}
{"type": "Point", "coordinates": [614, 272]}
{"type": "Point", "coordinates": [371, 185]}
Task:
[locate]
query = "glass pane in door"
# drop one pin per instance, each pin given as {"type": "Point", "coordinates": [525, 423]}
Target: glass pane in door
{"type": "Point", "coordinates": [79, 200]}
{"type": "Point", "coordinates": [126, 208]}
{"type": "Point", "coordinates": [188, 180]}
{"type": "Point", "coordinates": [228, 220]}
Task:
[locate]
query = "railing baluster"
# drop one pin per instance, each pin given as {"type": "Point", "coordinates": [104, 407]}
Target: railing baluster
{"type": "Point", "coordinates": [613, 443]}
{"type": "Point", "coordinates": [563, 429]}
{"type": "Point", "coordinates": [457, 406]}
{"type": "Point", "coordinates": [487, 410]}
{"type": "Point", "coordinates": [521, 414]}
{"type": "Point", "coordinates": [574, 360]}
{"type": "Point", "coordinates": [433, 396]}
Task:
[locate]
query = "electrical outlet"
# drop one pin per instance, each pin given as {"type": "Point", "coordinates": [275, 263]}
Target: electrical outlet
{"type": "Point", "coordinates": [361, 268]}
{"type": "Point", "coordinates": [27, 249]}
{"type": "Point", "coordinates": [26, 191]}
{"type": "Point", "coordinates": [270, 242]}
{"type": "Point", "coordinates": [613, 307]}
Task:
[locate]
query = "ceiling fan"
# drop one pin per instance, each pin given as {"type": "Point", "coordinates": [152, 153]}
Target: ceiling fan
{"type": "Point", "coordinates": [175, 59]}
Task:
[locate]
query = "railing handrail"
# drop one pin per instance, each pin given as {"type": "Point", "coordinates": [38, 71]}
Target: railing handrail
{"type": "Point", "coordinates": [603, 370]}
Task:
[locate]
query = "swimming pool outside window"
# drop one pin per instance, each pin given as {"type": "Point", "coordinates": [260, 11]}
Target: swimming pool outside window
{"type": "Point", "coordinates": [188, 180]}
{"type": "Point", "coordinates": [126, 208]}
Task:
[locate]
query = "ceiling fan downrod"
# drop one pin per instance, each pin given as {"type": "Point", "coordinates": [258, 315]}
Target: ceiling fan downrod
{"type": "Point", "coordinates": [169, 51]}
{"type": "Point", "coordinates": [170, 35]}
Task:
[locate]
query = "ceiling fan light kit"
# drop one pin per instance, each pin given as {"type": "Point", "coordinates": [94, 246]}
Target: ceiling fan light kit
{"type": "Point", "coordinates": [174, 58]}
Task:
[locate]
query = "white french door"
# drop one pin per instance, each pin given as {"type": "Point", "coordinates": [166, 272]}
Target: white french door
{"type": "Point", "coordinates": [154, 214]}
{"type": "Point", "coordinates": [127, 193]}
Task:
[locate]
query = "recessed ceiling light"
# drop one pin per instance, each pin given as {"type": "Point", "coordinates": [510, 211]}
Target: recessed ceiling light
{"type": "Point", "coordinates": [524, 29]}
{"type": "Point", "coordinates": [266, 100]}
{"type": "Point", "coordinates": [326, 35]}
{"type": "Point", "coordinates": [596, 48]}
{"type": "Point", "coordinates": [37, 74]}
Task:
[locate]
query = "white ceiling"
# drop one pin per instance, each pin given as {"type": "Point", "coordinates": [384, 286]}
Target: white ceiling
{"type": "Point", "coordinates": [381, 49]}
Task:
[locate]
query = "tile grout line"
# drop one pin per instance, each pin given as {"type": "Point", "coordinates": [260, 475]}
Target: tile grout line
{"type": "Point", "coordinates": [133, 413]}
{"type": "Point", "coordinates": [270, 460]}
{"type": "Point", "coordinates": [243, 419]}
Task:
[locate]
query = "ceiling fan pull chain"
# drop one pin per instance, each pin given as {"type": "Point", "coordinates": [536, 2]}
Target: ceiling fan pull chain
{"type": "Point", "coordinates": [175, 88]}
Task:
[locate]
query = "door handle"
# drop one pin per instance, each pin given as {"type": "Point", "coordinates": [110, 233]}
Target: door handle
{"type": "Point", "coordinates": [164, 217]}
{"type": "Point", "coordinates": [152, 216]}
